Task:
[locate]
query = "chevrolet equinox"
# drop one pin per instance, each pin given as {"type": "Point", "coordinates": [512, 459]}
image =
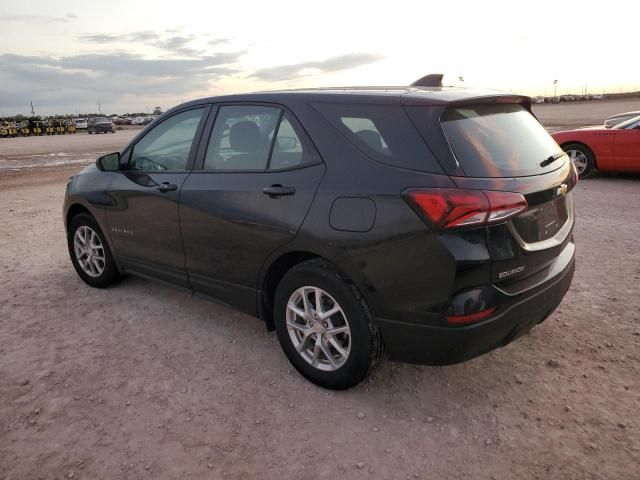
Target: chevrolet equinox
{"type": "Point", "coordinates": [425, 223]}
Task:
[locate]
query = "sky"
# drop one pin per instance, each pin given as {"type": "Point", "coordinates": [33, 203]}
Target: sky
{"type": "Point", "coordinates": [130, 56]}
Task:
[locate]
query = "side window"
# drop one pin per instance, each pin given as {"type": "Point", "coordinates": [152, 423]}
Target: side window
{"type": "Point", "coordinates": [288, 150]}
{"type": "Point", "coordinates": [367, 132]}
{"type": "Point", "coordinates": [167, 145]}
{"type": "Point", "coordinates": [382, 132]}
{"type": "Point", "coordinates": [241, 138]}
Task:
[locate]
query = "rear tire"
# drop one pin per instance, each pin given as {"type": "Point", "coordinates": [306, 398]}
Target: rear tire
{"type": "Point", "coordinates": [337, 351]}
{"type": "Point", "coordinates": [90, 253]}
{"type": "Point", "coordinates": [582, 157]}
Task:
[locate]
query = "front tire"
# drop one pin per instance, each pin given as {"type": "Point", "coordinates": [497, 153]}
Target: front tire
{"type": "Point", "coordinates": [582, 157]}
{"type": "Point", "coordinates": [90, 253]}
{"type": "Point", "coordinates": [324, 326]}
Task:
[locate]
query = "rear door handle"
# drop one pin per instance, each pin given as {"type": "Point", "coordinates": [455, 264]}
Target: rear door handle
{"type": "Point", "coordinates": [278, 190]}
{"type": "Point", "coordinates": [167, 187]}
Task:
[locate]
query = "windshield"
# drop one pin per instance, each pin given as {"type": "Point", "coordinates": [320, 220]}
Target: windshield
{"type": "Point", "coordinates": [499, 140]}
{"type": "Point", "coordinates": [102, 120]}
{"type": "Point", "coordinates": [627, 123]}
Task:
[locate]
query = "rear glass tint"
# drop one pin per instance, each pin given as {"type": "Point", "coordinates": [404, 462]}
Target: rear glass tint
{"type": "Point", "coordinates": [382, 132]}
{"type": "Point", "coordinates": [498, 140]}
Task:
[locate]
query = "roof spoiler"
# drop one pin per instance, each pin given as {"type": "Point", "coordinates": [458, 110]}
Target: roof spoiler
{"type": "Point", "coordinates": [431, 80]}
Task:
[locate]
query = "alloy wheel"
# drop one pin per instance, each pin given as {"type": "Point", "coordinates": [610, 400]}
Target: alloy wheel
{"type": "Point", "coordinates": [89, 251]}
{"type": "Point", "coordinates": [579, 159]}
{"type": "Point", "coordinates": [318, 328]}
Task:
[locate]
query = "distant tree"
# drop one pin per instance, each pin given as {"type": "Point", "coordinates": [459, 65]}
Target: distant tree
{"type": "Point", "coordinates": [157, 111]}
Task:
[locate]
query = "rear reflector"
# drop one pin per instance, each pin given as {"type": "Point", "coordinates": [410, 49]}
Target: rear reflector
{"type": "Point", "coordinates": [472, 317]}
{"type": "Point", "coordinates": [447, 208]}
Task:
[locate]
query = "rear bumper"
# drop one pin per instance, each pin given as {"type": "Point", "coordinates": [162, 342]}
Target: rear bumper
{"type": "Point", "coordinates": [439, 345]}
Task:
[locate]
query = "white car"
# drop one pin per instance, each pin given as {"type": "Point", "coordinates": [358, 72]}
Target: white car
{"type": "Point", "coordinates": [614, 120]}
{"type": "Point", "coordinates": [80, 123]}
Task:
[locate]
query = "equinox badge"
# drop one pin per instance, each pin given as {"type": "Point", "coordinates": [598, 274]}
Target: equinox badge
{"type": "Point", "coordinates": [509, 273]}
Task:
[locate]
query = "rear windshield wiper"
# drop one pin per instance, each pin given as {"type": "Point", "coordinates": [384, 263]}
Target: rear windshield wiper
{"type": "Point", "coordinates": [552, 159]}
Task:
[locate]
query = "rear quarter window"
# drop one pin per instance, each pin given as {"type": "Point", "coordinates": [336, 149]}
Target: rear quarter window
{"type": "Point", "coordinates": [382, 132]}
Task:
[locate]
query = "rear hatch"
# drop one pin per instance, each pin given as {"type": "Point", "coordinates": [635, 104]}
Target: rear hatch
{"type": "Point", "coordinates": [497, 145]}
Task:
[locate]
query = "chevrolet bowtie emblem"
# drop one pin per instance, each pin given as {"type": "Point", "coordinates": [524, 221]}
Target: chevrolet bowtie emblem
{"type": "Point", "coordinates": [562, 189]}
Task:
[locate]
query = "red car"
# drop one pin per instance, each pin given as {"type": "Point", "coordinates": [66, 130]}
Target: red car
{"type": "Point", "coordinates": [614, 149]}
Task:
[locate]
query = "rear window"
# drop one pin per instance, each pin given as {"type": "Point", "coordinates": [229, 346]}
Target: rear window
{"type": "Point", "coordinates": [498, 140]}
{"type": "Point", "coordinates": [382, 132]}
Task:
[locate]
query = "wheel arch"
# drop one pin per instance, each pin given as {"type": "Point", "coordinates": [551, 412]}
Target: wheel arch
{"type": "Point", "coordinates": [271, 277]}
{"type": "Point", "coordinates": [281, 262]}
{"type": "Point", "coordinates": [74, 210]}
{"type": "Point", "coordinates": [78, 205]}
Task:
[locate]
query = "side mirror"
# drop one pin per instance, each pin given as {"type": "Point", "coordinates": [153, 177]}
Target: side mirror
{"type": "Point", "coordinates": [109, 163]}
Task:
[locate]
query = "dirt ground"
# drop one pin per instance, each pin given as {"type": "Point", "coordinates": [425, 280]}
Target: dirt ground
{"type": "Point", "coordinates": [53, 151]}
{"type": "Point", "coordinates": [141, 381]}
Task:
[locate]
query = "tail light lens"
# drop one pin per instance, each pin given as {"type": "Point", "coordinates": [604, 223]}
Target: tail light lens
{"type": "Point", "coordinates": [446, 208]}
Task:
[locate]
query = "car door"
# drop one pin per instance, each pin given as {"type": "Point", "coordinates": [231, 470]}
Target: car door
{"type": "Point", "coordinates": [256, 177]}
{"type": "Point", "coordinates": [143, 215]}
{"type": "Point", "coordinates": [626, 148]}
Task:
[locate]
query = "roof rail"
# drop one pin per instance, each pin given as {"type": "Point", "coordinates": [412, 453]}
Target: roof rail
{"type": "Point", "coordinates": [431, 80]}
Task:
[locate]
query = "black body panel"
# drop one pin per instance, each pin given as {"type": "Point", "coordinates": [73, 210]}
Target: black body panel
{"type": "Point", "coordinates": [353, 214]}
{"type": "Point", "coordinates": [144, 224]}
{"type": "Point", "coordinates": [230, 226]}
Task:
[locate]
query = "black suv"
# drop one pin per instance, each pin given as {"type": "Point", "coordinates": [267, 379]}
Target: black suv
{"type": "Point", "coordinates": [100, 125]}
{"type": "Point", "coordinates": [432, 224]}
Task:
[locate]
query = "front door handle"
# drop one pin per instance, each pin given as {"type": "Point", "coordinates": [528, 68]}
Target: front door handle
{"type": "Point", "coordinates": [278, 190]}
{"type": "Point", "coordinates": [167, 187]}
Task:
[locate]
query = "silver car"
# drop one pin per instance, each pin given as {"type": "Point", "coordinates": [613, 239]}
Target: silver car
{"type": "Point", "coordinates": [614, 120]}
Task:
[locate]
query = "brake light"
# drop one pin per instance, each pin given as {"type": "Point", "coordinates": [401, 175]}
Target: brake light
{"type": "Point", "coordinates": [446, 208]}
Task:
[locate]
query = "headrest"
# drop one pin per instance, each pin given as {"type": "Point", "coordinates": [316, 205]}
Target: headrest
{"type": "Point", "coordinates": [245, 137]}
{"type": "Point", "coordinates": [371, 138]}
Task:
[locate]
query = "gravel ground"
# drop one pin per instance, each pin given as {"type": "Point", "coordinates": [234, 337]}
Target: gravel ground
{"type": "Point", "coordinates": [143, 381]}
{"type": "Point", "coordinates": [20, 153]}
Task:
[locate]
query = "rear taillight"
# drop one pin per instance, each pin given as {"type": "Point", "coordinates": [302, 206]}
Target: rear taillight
{"type": "Point", "coordinates": [446, 208]}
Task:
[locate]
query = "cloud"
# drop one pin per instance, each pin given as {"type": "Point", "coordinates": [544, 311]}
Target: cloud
{"type": "Point", "coordinates": [332, 64]}
{"type": "Point", "coordinates": [100, 38]}
{"type": "Point", "coordinates": [143, 36]}
{"type": "Point", "coordinates": [140, 36]}
{"type": "Point", "coordinates": [38, 18]}
{"type": "Point", "coordinates": [178, 45]}
{"type": "Point", "coordinates": [115, 77]}
{"type": "Point", "coordinates": [218, 41]}
{"type": "Point", "coordinates": [175, 43]}
{"type": "Point", "coordinates": [132, 64]}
